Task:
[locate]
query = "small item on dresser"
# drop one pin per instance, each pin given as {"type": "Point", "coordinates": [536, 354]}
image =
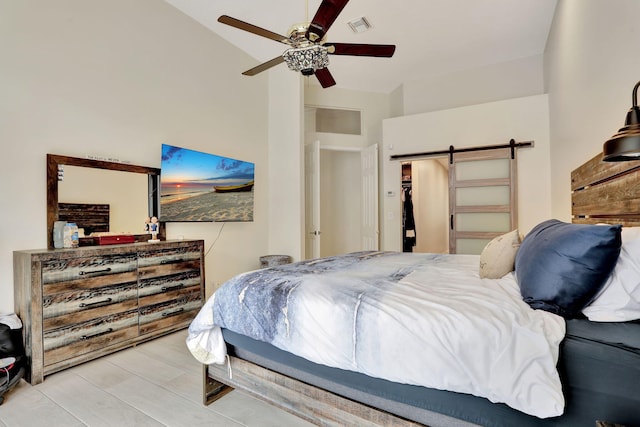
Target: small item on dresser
{"type": "Point", "coordinates": [74, 235]}
{"type": "Point", "coordinates": [154, 228]}
{"type": "Point", "coordinates": [58, 232]}
{"type": "Point", "coordinates": [114, 239]}
{"type": "Point", "coordinates": [70, 235]}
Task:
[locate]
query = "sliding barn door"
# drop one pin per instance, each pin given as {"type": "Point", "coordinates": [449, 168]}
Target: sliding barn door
{"type": "Point", "coordinates": [482, 198]}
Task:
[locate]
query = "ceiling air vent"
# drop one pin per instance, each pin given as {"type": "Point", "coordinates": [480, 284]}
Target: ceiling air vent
{"type": "Point", "coordinates": [359, 25]}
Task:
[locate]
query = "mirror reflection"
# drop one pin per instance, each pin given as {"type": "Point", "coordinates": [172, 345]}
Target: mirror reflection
{"type": "Point", "coordinates": [125, 193]}
{"type": "Point", "coordinates": [105, 196]}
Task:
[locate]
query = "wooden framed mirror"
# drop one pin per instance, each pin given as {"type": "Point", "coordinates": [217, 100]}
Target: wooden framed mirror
{"type": "Point", "coordinates": [55, 174]}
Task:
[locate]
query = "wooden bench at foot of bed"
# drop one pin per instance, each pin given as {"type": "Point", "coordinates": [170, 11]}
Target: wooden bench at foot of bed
{"type": "Point", "coordinates": [303, 400]}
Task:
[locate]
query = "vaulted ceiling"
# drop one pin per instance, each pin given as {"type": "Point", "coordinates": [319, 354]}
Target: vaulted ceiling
{"type": "Point", "coordinates": [433, 37]}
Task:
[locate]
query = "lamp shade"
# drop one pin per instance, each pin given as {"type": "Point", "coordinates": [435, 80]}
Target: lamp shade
{"type": "Point", "coordinates": [625, 145]}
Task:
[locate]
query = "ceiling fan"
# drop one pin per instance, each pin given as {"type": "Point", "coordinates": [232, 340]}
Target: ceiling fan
{"type": "Point", "coordinates": [308, 51]}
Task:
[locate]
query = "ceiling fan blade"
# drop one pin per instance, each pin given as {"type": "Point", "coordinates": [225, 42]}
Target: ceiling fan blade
{"type": "Point", "coordinates": [264, 66]}
{"type": "Point", "coordinates": [225, 19]}
{"type": "Point", "coordinates": [355, 49]}
{"type": "Point", "coordinates": [324, 18]}
{"type": "Point", "coordinates": [324, 77]}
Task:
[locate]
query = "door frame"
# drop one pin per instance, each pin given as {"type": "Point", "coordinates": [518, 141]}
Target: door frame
{"type": "Point", "coordinates": [369, 204]}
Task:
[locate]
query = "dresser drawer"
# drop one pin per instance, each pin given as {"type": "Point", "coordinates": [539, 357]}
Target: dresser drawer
{"type": "Point", "coordinates": [83, 268]}
{"type": "Point", "coordinates": [84, 288]}
{"type": "Point", "coordinates": [176, 255]}
{"type": "Point", "coordinates": [85, 337]}
{"type": "Point", "coordinates": [166, 288]}
{"type": "Point", "coordinates": [169, 262]}
{"type": "Point", "coordinates": [161, 270]}
{"type": "Point", "coordinates": [72, 306]}
{"type": "Point", "coordinates": [174, 313]}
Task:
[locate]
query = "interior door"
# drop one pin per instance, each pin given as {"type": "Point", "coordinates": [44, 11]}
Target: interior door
{"type": "Point", "coordinates": [482, 198]}
{"type": "Point", "coordinates": [429, 187]}
{"type": "Point", "coordinates": [369, 168]}
{"type": "Point", "coordinates": [312, 200]}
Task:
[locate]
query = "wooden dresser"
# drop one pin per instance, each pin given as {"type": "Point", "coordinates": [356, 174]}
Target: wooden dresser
{"type": "Point", "coordinates": [82, 303]}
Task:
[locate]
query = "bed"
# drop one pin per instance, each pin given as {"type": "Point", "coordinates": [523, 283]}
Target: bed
{"type": "Point", "coordinates": [477, 351]}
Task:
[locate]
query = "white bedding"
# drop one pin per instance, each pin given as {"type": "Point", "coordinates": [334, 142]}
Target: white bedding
{"type": "Point", "coordinates": [420, 319]}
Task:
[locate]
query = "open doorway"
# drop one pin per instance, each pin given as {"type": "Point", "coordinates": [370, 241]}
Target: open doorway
{"type": "Point", "coordinates": [425, 202]}
{"type": "Point", "coordinates": [472, 196]}
{"type": "Point", "coordinates": [341, 183]}
{"type": "Point", "coordinates": [341, 203]}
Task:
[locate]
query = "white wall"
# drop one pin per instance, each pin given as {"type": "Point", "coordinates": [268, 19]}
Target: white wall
{"type": "Point", "coordinates": [591, 65]}
{"type": "Point", "coordinates": [117, 79]}
{"type": "Point", "coordinates": [523, 119]}
{"type": "Point", "coordinates": [286, 165]}
{"type": "Point", "coordinates": [396, 101]}
{"type": "Point", "coordinates": [513, 79]}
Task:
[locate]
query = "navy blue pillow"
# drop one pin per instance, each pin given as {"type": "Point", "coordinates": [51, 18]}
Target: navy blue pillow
{"type": "Point", "coordinates": [560, 267]}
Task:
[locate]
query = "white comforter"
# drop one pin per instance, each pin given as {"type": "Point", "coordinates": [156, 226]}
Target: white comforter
{"type": "Point", "coordinates": [421, 319]}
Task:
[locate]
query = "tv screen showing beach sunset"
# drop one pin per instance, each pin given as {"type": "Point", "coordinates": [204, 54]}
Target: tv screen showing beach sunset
{"type": "Point", "coordinates": [196, 186]}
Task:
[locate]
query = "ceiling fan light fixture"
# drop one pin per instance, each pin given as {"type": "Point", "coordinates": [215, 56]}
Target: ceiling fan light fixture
{"type": "Point", "coordinates": [359, 25]}
{"type": "Point", "coordinates": [306, 59]}
{"type": "Point", "coordinates": [308, 53]}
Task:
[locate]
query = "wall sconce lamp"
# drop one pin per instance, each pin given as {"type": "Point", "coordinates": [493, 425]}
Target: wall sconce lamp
{"type": "Point", "coordinates": [625, 145]}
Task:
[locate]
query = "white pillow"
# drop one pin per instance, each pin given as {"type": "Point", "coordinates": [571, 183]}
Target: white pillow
{"type": "Point", "coordinates": [630, 233]}
{"type": "Point", "coordinates": [619, 299]}
{"type": "Point", "coordinates": [498, 257]}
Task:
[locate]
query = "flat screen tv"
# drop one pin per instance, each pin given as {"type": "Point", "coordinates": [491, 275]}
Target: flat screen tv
{"type": "Point", "coordinates": [197, 186]}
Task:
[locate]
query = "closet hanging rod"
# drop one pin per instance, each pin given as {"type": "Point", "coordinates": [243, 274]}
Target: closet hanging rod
{"type": "Point", "coordinates": [512, 144]}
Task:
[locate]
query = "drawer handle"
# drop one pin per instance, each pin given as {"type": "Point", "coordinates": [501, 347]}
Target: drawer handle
{"type": "Point", "coordinates": [173, 313]}
{"type": "Point", "coordinates": [95, 304]}
{"type": "Point", "coordinates": [105, 270]}
{"type": "Point", "coordinates": [172, 288]}
{"type": "Point", "coordinates": [87, 337]}
{"type": "Point", "coordinates": [171, 261]}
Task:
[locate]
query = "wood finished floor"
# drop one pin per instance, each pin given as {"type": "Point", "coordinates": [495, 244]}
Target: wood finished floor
{"type": "Point", "coordinates": [157, 383]}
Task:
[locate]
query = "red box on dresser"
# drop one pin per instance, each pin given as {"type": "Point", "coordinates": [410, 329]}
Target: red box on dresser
{"type": "Point", "coordinates": [114, 240]}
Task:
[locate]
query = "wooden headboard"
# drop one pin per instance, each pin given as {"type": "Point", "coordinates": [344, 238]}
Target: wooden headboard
{"type": "Point", "coordinates": [92, 217]}
{"type": "Point", "coordinates": [606, 192]}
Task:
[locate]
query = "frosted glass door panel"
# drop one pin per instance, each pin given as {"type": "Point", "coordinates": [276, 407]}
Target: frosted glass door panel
{"type": "Point", "coordinates": [483, 222]}
{"type": "Point", "coordinates": [483, 196]}
{"type": "Point", "coordinates": [471, 246]}
{"type": "Point", "coordinates": [482, 169]}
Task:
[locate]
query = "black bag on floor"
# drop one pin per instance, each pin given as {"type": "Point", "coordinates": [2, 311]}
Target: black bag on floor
{"type": "Point", "coordinates": [11, 354]}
